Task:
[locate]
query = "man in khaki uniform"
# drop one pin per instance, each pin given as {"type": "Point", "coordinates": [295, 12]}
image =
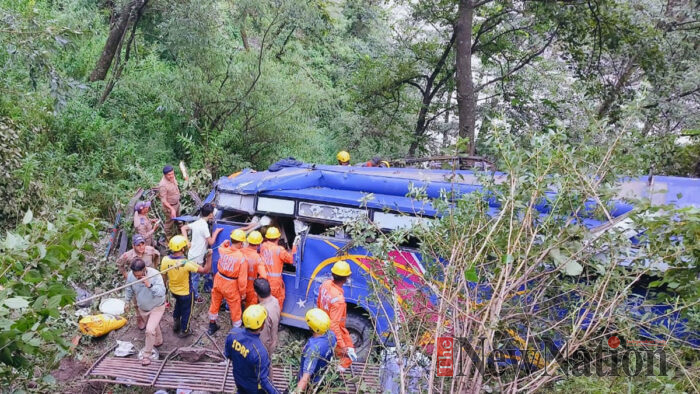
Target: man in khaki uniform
{"type": "Point", "coordinates": [148, 254]}
{"type": "Point", "coordinates": [170, 198]}
{"type": "Point", "coordinates": [268, 335]}
{"type": "Point", "coordinates": [144, 225]}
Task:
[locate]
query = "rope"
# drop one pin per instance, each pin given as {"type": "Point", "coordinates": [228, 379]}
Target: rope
{"type": "Point", "coordinates": [143, 279]}
{"type": "Point", "coordinates": [258, 225]}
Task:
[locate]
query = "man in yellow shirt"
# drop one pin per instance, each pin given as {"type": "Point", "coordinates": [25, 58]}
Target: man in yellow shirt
{"type": "Point", "coordinates": [178, 281]}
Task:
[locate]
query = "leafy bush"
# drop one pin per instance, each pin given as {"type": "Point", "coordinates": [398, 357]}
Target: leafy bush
{"type": "Point", "coordinates": [39, 260]}
{"type": "Point", "coordinates": [517, 277]}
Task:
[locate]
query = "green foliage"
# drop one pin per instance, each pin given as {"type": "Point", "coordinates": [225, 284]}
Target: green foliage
{"type": "Point", "coordinates": [39, 260]}
{"type": "Point", "coordinates": [224, 85]}
{"type": "Point", "coordinates": [566, 269]}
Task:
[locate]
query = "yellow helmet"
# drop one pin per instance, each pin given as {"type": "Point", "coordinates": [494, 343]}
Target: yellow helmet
{"type": "Point", "coordinates": [341, 268]}
{"type": "Point", "coordinates": [238, 235]}
{"type": "Point", "coordinates": [318, 320]}
{"type": "Point", "coordinates": [272, 233]}
{"type": "Point", "coordinates": [177, 243]}
{"type": "Point", "coordinates": [255, 238]}
{"type": "Point", "coordinates": [384, 163]}
{"type": "Point", "coordinates": [254, 316]}
{"type": "Point", "coordinates": [343, 156]}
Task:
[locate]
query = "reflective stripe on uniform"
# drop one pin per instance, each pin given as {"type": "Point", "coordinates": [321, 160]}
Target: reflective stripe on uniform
{"type": "Point", "coordinates": [226, 277]}
{"type": "Point", "coordinates": [273, 275]}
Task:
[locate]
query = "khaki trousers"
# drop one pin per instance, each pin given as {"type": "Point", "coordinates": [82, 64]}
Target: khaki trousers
{"type": "Point", "coordinates": [169, 222]}
{"type": "Point", "coordinates": [153, 334]}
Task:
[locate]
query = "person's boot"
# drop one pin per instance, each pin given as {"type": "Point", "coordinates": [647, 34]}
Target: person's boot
{"type": "Point", "coordinates": [213, 328]}
{"type": "Point", "coordinates": [176, 325]}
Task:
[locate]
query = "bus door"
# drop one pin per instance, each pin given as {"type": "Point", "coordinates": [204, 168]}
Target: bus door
{"type": "Point", "coordinates": [314, 258]}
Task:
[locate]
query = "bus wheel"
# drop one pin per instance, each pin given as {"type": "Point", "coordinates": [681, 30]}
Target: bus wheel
{"type": "Point", "coordinates": [360, 329]}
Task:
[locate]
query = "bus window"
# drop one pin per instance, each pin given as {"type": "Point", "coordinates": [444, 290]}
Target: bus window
{"type": "Point", "coordinates": [234, 217]}
{"type": "Point", "coordinates": [327, 230]}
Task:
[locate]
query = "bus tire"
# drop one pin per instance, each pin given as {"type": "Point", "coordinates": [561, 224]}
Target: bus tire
{"type": "Point", "coordinates": [360, 328]}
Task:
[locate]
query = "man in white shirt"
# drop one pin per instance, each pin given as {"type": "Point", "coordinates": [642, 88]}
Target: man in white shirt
{"type": "Point", "coordinates": [202, 239]}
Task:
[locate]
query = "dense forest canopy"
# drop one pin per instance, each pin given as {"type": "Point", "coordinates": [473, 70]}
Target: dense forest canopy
{"type": "Point", "coordinates": [97, 95]}
{"type": "Point", "coordinates": [103, 92]}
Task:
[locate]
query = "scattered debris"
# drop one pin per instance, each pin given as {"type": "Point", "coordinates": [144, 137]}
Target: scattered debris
{"type": "Point", "coordinates": [154, 355]}
{"type": "Point", "coordinates": [82, 294]}
{"type": "Point", "coordinates": [112, 306]}
{"type": "Point", "coordinates": [82, 312]}
{"type": "Point", "coordinates": [194, 353]}
{"type": "Point", "coordinates": [124, 349]}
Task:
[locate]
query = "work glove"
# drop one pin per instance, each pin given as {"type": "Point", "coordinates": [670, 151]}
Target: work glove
{"type": "Point", "coordinates": [352, 354]}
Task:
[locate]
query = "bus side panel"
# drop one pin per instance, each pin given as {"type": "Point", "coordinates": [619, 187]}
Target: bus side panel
{"type": "Point", "coordinates": [313, 269]}
{"type": "Point", "coordinates": [320, 253]}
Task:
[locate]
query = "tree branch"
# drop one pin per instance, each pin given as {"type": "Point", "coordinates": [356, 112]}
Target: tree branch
{"type": "Point", "coordinates": [480, 3]}
{"type": "Point", "coordinates": [524, 62]}
{"type": "Point", "coordinates": [410, 82]}
{"type": "Point", "coordinates": [676, 97]}
{"type": "Point", "coordinates": [483, 30]}
{"type": "Point", "coordinates": [499, 35]}
{"type": "Point", "coordinates": [257, 76]}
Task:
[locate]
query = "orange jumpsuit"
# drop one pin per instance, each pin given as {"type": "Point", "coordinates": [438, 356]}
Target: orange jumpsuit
{"type": "Point", "coordinates": [331, 299]}
{"type": "Point", "coordinates": [256, 269]}
{"type": "Point", "coordinates": [229, 283]}
{"type": "Point", "coordinates": [274, 256]}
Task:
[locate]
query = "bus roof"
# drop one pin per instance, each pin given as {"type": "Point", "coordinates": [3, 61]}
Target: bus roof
{"type": "Point", "coordinates": [387, 188]}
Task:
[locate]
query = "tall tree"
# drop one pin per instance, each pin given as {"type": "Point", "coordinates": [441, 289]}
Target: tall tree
{"type": "Point", "coordinates": [466, 95]}
{"type": "Point", "coordinates": [128, 16]}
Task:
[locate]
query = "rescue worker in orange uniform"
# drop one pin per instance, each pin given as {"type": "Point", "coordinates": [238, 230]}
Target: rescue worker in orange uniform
{"type": "Point", "coordinates": [230, 281]}
{"type": "Point", "coordinates": [331, 299]}
{"type": "Point", "coordinates": [256, 267]}
{"type": "Point", "coordinates": [274, 256]}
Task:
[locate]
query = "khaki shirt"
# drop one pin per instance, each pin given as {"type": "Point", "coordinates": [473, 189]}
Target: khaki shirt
{"type": "Point", "coordinates": [168, 191]}
{"type": "Point", "coordinates": [268, 335]}
{"type": "Point", "coordinates": [143, 226]}
{"type": "Point", "coordinates": [150, 255]}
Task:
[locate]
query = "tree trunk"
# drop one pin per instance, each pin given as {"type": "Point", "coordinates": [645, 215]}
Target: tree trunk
{"type": "Point", "coordinates": [420, 123]}
{"type": "Point", "coordinates": [466, 98]}
{"type": "Point", "coordinates": [118, 64]}
{"type": "Point", "coordinates": [244, 35]}
{"type": "Point", "coordinates": [446, 132]}
{"type": "Point", "coordinates": [116, 36]}
{"type": "Point", "coordinates": [627, 71]}
{"type": "Point", "coordinates": [431, 89]}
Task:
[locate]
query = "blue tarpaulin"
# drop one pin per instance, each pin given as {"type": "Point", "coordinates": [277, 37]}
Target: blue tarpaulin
{"type": "Point", "coordinates": [387, 188]}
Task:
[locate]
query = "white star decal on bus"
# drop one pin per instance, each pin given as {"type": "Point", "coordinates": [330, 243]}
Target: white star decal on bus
{"type": "Point", "coordinates": [301, 303]}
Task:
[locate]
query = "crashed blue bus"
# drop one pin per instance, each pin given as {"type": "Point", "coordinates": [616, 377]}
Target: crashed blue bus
{"type": "Point", "coordinates": [310, 203]}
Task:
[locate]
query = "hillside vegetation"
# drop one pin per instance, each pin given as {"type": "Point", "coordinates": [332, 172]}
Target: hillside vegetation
{"type": "Point", "coordinates": [97, 95]}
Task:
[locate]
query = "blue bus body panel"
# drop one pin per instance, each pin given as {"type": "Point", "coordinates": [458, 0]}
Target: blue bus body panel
{"type": "Point", "coordinates": [352, 186]}
{"type": "Point", "coordinates": [318, 257]}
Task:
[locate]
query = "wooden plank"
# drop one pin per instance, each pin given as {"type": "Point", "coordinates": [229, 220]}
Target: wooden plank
{"type": "Point", "coordinates": [162, 366]}
{"type": "Point", "coordinates": [207, 376]}
{"type": "Point", "coordinates": [197, 200]}
{"type": "Point", "coordinates": [102, 357]}
{"type": "Point", "coordinates": [223, 384]}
